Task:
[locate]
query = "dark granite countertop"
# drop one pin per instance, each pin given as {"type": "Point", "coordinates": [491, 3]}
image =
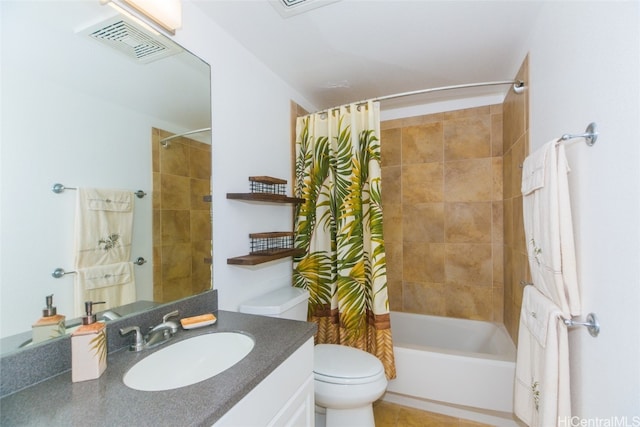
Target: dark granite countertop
{"type": "Point", "coordinates": [106, 401]}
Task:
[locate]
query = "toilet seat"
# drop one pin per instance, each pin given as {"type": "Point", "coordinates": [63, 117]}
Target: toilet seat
{"type": "Point", "coordinates": [338, 364]}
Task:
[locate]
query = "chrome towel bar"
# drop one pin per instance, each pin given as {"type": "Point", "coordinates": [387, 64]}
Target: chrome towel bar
{"type": "Point", "coordinates": [59, 188]}
{"type": "Point", "coordinates": [59, 272]}
{"type": "Point", "coordinates": [592, 324]}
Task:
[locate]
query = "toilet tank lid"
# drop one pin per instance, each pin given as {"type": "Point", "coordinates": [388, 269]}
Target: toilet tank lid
{"type": "Point", "coordinates": [275, 302]}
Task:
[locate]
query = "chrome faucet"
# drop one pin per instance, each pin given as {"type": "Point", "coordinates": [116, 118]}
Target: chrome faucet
{"type": "Point", "coordinates": [157, 335]}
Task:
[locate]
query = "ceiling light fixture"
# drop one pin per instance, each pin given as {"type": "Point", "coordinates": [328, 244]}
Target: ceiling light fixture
{"type": "Point", "coordinates": [167, 14]}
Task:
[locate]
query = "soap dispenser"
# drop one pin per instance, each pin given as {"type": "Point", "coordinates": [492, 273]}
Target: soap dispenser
{"type": "Point", "coordinates": [50, 325]}
{"type": "Point", "coordinates": [89, 347]}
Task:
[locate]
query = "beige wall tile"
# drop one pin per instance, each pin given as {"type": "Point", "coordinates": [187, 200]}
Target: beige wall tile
{"type": "Point", "coordinates": [175, 192]}
{"type": "Point", "coordinates": [423, 262]}
{"type": "Point", "coordinates": [394, 290]}
{"type": "Point", "coordinates": [468, 222]}
{"type": "Point", "coordinates": [423, 298]}
{"type": "Point", "coordinates": [469, 302]}
{"type": "Point", "coordinates": [423, 222]}
{"type": "Point", "coordinates": [468, 180]}
{"type": "Point", "coordinates": [496, 134]}
{"type": "Point", "coordinates": [199, 163]}
{"type": "Point", "coordinates": [391, 185]}
{"type": "Point", "coordinates": [175, 226]}
{"type": "Point", "coordinates": [497, 184]}
{"type": "Point", "coordinates": [176, 262]}
{"type": "Point", "coordinates": [393, 252]}
{"type": "Point", "coordinates": [200, 188]}
{"type": "Point", "coordinates": [174, 159]}
{"type": "Point", "coordinates": [467, 112]}
{"type": "Point", "coordinates": [468, 264]}
{"type": "Point", "coordinates": [467, 138]}
{"type": "Point", "coordinates": [497, 223]}
{"type": "Point", "coordinates": [200, 226]}
{"type": "Point", "coordinates": [392, 223]}
{"type": "Point", "coordinates": [390, 147]}
{"type": "Point", "coordinates": [422, 183]}
{"type": "Point", "coordinates": [422, 144]}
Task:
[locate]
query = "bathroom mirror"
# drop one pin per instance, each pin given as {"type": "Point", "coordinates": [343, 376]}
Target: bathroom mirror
{"type": "Point", "coordinates": [79, 112]}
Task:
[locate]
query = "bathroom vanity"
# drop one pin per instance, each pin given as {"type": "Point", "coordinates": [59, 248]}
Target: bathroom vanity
{"type": "Point", "coordinates": [271, 385]}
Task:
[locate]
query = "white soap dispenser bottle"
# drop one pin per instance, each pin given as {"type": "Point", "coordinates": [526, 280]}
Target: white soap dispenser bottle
{"type": "Point", "coordinates": [89, 347]}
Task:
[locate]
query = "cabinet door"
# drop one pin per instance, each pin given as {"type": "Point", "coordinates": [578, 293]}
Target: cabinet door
{"type": "Point", "coordinates": [299, 410]}
{"type": "Point", "coordinates": [283, 398]}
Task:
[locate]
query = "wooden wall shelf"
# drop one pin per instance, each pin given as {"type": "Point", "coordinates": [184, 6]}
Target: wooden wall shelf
{"type": "Point", "coordinates": [271, 252]}
{"type": "Point", "coordinates": [257, 258]}
{"type": "Point", "coordinates": [264, 197]}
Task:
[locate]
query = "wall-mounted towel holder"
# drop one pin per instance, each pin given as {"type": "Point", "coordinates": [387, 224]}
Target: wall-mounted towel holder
{"type": "Point", "coordinates": [590, 135]}
{"type": "Point", "coordinates": [59, 272]}
{"type": "Point", "coordinates": [592, 324]}
{"type": "Point", "coordinates": [59, 188]}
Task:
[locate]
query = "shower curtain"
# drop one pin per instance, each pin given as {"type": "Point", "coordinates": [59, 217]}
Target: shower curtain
{"type": "Point", "coordinates": [340, 227]}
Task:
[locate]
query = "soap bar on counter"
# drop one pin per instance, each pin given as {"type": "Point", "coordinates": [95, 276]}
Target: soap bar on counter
{"type": "Point", "coordinates": [198, 321]}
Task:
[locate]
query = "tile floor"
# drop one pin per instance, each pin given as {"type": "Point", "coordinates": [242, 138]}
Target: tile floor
{"type": "Point", "coordinates": [392, 415]}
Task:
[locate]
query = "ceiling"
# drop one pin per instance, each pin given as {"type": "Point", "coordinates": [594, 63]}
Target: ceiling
{"type": "Point", "coordinates": [351, 50]}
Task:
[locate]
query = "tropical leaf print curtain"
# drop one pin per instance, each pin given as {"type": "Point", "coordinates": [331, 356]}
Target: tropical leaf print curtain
{"type": "Point", "coordinates": [340, 227]}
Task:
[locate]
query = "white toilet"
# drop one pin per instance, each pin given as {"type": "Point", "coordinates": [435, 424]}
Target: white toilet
{"type": "Point", "coordinates": [347, 380]}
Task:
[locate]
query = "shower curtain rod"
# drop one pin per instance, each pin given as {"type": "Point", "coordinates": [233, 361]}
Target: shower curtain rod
{"type": "Point", "coordinates": [163, 141]}
{"type": "Point", "coordinates": [518, 87]}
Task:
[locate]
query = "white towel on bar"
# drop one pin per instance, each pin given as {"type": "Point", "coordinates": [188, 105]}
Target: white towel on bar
{"type": "Point", "coordinates": [548, 226]}
{"type": "Point", "coordinates": [103, 227]}
{"type": "Point", "coordinates": [112, 283]}
{"type": "Point", "coordinates": [542, 393]}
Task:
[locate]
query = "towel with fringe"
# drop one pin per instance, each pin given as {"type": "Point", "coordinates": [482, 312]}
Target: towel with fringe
{"type": "Point", "coordinates": [542, 392]}
{"type": "Point", "coordinates": [548, 226]}
{"type": "Point", "coordinates": [103, 227]}
{"type": "Point", "coordinates": [113, 283]}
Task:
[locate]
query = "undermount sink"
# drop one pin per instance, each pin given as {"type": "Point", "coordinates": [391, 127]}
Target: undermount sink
{"type": "Point", "coordinates": [188, 362]}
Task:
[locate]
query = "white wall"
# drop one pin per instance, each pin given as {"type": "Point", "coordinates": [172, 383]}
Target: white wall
{"type": "Point", "coordinates": [251, 136]}
{"type": "Point", "coordinates": [585, 66]}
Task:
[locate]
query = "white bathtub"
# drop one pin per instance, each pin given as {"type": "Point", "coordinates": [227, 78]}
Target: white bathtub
{"type": "Point", "coordinates": [455, 361]}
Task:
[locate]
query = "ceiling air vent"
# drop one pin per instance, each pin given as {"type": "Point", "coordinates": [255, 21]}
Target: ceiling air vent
{"type": "Point", "coordinates": [136, 42]}
{"type": "Point", "coordinates": [288, 8]}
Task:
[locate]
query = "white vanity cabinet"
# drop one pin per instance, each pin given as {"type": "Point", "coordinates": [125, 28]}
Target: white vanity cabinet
{"type": "Point", "coordinates": [284, 398]}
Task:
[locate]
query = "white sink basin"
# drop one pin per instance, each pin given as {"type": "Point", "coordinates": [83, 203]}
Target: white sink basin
{"type": "Point", "coordinates": [188, 362]}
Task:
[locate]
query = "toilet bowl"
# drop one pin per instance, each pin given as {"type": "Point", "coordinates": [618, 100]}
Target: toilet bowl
{"type": "Point", "coordinates": [346, 380]}
{"type": "Point", "coordinates": [346, 383]}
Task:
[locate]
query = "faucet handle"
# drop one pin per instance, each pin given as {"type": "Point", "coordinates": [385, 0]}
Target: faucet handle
{"type": "Point", "coordinates": [138, 339]}
{"type": "Point", "coordinates": [171, 324]}
{"type": "Point", "coordinates": [174, 313]}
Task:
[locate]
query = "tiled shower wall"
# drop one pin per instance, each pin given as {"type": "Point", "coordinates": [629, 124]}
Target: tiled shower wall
{"type": "Point", "coordinates": [181, 218]}
{"type": "Point", "coordinates": [516, 148]}
{"type": "Point", "coordinates": [443, 207]}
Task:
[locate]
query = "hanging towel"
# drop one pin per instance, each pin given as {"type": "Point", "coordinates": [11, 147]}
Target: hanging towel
{"type": "Point", "coordinates": [542, 393]}
{"type": "Point", "coordinates": [103, 228]}
{"type": "Point", "coordinates": [548, 226]}
{"type": "Point", "coordinates": [113, 283]}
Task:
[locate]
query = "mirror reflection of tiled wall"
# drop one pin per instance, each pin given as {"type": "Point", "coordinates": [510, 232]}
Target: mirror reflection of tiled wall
{"type": "Point", "coordinates": [181, 218]}
{"type": "Point", "coordinates": [442, 200]}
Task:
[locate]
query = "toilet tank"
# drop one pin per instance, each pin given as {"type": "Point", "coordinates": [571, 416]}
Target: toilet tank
{"type": "Point", "coordinates": [287, 303]}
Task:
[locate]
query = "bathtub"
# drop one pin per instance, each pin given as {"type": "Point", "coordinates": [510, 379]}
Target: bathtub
{"type": "Point", "coordinates": [453, 361]}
